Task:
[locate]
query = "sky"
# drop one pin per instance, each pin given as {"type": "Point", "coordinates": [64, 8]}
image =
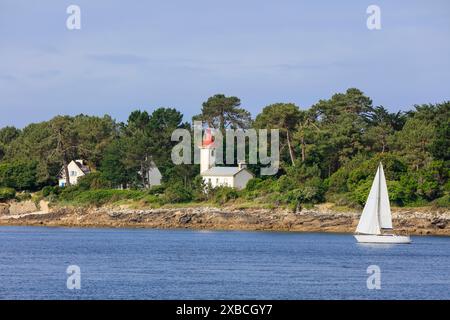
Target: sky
{"type": "Point", "coordinates": [134, 54]}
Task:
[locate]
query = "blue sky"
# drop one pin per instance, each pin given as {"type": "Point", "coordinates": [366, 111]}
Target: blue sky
{"type": "Point", "coordinates": [145, 54]}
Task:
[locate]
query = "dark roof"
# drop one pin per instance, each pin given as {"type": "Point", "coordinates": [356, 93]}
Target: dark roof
{"type": "Point", "coordinates": [83, 167]}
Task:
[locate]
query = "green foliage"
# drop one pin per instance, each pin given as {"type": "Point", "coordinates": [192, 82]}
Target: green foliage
{"type": "Point", "coordinates": [221, 112]}
{"type": "Point", "coordinates": [156, 190]}
{"type": "Point", "coordinates": [177, 193]}
{"type": "Point", "coordinates": [7, 194]}
{"type": "Point", "coordinates": [328, 152]}
{"type": "Point", "coordinates": [98, 197]}
{"type": "Point", "coordinates": [50, 190]}
{"type": "Point", "coordinates": [222, 195]}
{"type": "Point", "coordinates": [20, 175]}
{"type": "Point", "coordinates": [443, 202]}
{"type": "Point", "coordinates": [94, 180]}
{"type": "Point", "coordinates": [23, 196]}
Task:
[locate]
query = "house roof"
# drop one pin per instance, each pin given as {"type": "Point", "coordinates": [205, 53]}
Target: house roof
{"type": "Point", "coordinates": [223, 171]}
{"type": "Point", "coordinates": [82, 166]}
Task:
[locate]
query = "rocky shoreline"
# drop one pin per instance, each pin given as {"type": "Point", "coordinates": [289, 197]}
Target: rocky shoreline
{"type": "Point", "coordinates": [321, 218]}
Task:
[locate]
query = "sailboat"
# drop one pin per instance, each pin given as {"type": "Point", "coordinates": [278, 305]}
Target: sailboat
{"type": "Point", "coordinates": [375, 224]}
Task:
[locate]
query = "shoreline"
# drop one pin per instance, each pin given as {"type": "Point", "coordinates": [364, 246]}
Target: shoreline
{"type": "Point", "coordinates": [321, 218]}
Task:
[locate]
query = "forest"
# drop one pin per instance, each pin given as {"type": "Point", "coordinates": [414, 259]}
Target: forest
{"type": "Point", "coordinates": [329, 153]}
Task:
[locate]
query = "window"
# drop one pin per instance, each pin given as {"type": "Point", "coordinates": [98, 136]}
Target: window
{"type": "Point", "coordinates": [73, 173]}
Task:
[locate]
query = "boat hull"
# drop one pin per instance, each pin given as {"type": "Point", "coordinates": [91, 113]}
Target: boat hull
{"type": "Point", "coordinates": [388, 238]}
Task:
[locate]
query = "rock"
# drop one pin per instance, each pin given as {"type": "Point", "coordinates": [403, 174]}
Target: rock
{"type": "Point", "coordinates": [185, 219]}
{"type": "Point", "coordinates": [22, 207]}
{"type": "Point", "coordinates": [439, 223]}
{"type": "Point", "coordinates": [4, 209]}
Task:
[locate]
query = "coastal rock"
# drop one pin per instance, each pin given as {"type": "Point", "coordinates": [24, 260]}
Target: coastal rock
{"type": "Point", "coordinates": [321, 218]}
{"type": "Point", "coordinates": [22, 207]}
{"type": "Point", "coordinates": [4, 209]}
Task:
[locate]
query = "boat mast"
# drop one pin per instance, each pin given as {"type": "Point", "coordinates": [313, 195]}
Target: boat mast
{"type": "Point", "coordinates": [379, 198]}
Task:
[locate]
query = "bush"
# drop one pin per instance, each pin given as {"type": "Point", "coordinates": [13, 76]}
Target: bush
{"type": "Point", "coordinates": [19, 175]}
{"type": "Point", "coordinates": [93, 180]}
{"type": "Point", "coordinates": [50, 190]}
{"type": "Point", "coordinates": [177, 193]}
{"type": "Point", "coordinates": [7, 194]}
{"type": "Point", "coordinates": [222, 195]}
{"type": "Point", "coordinates": [443, 202]}
{"type": "Point", "coordinates": [99, 197]}
{"type": "Point", "coordinates": [24, 196]}
{"type": "Point", "coordinates": [253, 184]}
{"type": "Point", "coordinates": [155, 190]}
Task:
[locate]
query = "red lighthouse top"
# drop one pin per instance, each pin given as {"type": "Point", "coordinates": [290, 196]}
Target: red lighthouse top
{"type": "Point", "coordinates": [208, 139]}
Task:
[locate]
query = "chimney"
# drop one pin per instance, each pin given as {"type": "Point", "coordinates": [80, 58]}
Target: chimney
{"type": "Point", "coordinates": [242, 165]}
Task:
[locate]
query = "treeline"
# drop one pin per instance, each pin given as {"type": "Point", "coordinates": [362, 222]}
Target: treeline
{"type": "Point", "coordinates": [329, 152]}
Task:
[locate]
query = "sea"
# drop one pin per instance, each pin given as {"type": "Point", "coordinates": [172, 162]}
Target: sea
{"type": "Point", "coordinates": [86, 263]}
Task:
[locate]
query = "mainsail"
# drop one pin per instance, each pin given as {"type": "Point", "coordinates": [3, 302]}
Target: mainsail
{"type": "Point", "coordinates": [377, 211]}
{"type": "Point", "coordinates": [385, 207]}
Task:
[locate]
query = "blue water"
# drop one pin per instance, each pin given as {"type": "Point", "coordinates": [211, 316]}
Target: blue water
{"type": "Point", "coordinates": [181, 264]}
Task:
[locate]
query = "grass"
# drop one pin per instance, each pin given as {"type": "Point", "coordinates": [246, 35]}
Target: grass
{"type": "Point", "coordinates": [141, 199]}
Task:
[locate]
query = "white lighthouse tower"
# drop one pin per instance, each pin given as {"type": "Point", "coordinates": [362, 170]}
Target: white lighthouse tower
{"type": "Point", "coordinates": [207, 152]}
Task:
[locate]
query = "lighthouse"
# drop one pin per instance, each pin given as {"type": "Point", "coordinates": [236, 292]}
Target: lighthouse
{"type": "Point", "coordinates": [207, 152]}
{"type": "Point", "coordinates": [234, 177]}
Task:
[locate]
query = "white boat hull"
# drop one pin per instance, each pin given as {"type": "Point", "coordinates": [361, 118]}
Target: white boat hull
{"type": "Point", "coordinates": [385, 238]}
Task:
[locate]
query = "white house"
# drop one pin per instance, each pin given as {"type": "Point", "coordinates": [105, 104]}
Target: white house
{"type": "Point", "coordinates": [235, 177]}
{"type": "Point", "coordinates": [77, 169]}
{"type": "Point", "coordinates": [153, 176]}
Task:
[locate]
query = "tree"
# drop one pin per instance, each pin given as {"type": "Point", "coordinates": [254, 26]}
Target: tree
{"type": "Point", "coordinates": [414, 142]}
{"type": "Point", "coordinates": [221, 112]}
{"type": "Point", "coordinates": [7, 135]}
{"type": "Point", "coordinates": [66, 142]}
{"type": "Point", "coordinates": [94, 134]}
{"type": "Point", "coordinates": [113, 167]}
{"type": "Point", "coordinates": [353, 101]}
{"type": "Point", "coordinates": [441, 145]}
{"type": "Point", "coordinates": [342, 124]}
{"type": "Point", "coordinates": [307, 123]}
{"type": "Point", "coordinates": [282, 116]}
{"type": "Point", "coordinates": [19, 175]}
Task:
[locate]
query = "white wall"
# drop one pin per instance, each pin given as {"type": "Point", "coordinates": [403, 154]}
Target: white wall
{"type": "Point", "coordinates": [74, 173]}
{"type": "Point", "coordinates": [154, 177]}
{"type": "Point", "coordinates": [217, 181]}
{"type": "Point", "coordinates": [207, 158]}
{"type": "Point", "coordinates": [241, 179]}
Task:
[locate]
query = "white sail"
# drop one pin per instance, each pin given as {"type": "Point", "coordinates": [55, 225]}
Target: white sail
{"type": "Point", "coordinates": [369, 222]}
{"type": "Point", "coordinates": [385, 208]}
{"type": "Point", "coordinates": [377, 215]}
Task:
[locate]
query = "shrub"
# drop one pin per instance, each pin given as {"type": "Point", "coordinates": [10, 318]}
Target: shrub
{"type": "Point", "coordinates": [20, 175]}
{"type": "Point", "coordinates": [24, 196]}
{"type": "Point", "coordinates": [155, 190]}
{"type": "Point", "coordinates": [103, 196]}
{"type": "Point", "coordinates": [50, 190]}
{"type": "Point", "coordinates": [7, 194]}
{"type": "Point", "coordinates": [253, 184]}
{"type": "Point", "coordinates": [177, 193]}
{"type": "Point", "coordinates": [221, 195]}
{"type": "Point", "coordinates": [93, 180]}
{"type": "Point", "coordinates": [443, 202]}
